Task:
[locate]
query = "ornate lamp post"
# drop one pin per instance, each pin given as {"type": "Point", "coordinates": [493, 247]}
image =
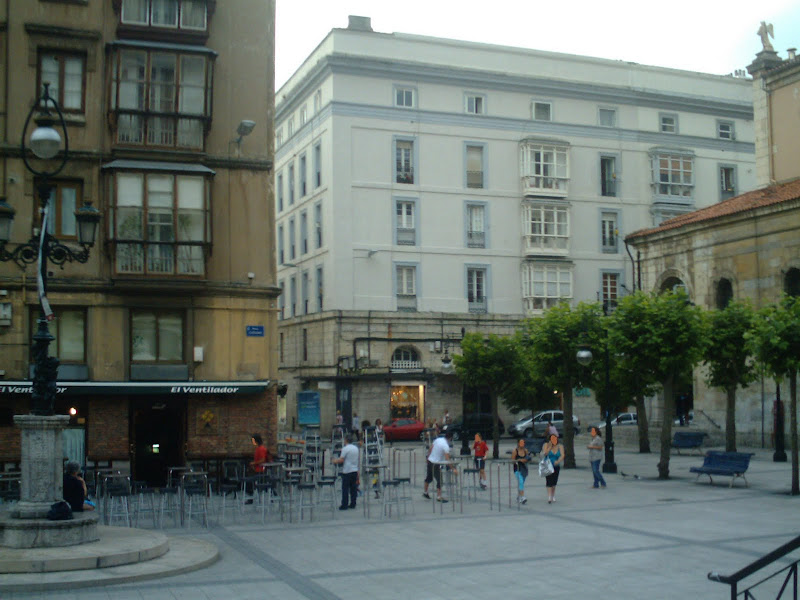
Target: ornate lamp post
{"type": "Point", "coordinates": [41, 430]}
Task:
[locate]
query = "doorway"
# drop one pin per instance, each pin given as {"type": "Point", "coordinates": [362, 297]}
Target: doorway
{"type": "Point", "coordinates": [158, 437]}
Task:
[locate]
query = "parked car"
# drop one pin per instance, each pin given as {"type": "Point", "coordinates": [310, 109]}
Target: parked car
{"type": "Point", "coordinates": [536, 425]}
{"type": "Point", "coordinates": [476, 423]}
{"type": "Point", "coordinates": [403, 429]}
{"type": "Point", "coordinates": [628, 418]}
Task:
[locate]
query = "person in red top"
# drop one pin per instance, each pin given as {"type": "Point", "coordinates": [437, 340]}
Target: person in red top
{"type": "Point", "coordinates": [261, 456]}
{"type": "Point", "coordinates": [480, 448]}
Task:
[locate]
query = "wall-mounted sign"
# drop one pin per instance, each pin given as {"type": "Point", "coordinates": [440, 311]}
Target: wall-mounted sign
{"type": "Point", "coordinates": [254, 330]}
{"type": "Point", "coordinates": [308, 408]}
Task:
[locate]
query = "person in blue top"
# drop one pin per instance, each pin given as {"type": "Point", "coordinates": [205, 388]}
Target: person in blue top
{"type": "Point", "coordinates": [553, 450]}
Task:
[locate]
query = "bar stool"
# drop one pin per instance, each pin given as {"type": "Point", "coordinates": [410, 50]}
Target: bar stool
{"type": "Point", "coordinates": [264, 495]}
{"type": "Point", "coordinates": [197, 503]}
{"type": "Point", "coordinates": [146, 504]}
{"type": "Point", "coordinates": [472, 488]}
{"type": "Point", "coordinates": [327, 493]}
{"type": "Point", "coordinates": [305, 493]}
{"type": "Point", "coordinates": [404, 494]}
{"type": "Point", "coordinates": [390, 497]}
{"type": "Point", "coordinates": [168, 504]}
{"type": "Point", "coordinates": [119, 496]}
{"type": "Point", "coordinates": [226, 490]}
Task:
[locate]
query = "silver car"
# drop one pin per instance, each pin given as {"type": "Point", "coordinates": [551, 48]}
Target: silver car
{"type": "Point", "coordinates": [536, 426]}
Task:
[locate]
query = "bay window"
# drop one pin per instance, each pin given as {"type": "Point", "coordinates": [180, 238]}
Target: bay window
{"type": "Point", "coordinates": [190, 15]}
{"type": "Point", "coordinates": [544, 169]}
{"type": "Point", "coordinates": [673, 174]}
{"type": "Point", "coordinates": [545, 285]}
{"type": "Point", "coordinates": [546, 228]}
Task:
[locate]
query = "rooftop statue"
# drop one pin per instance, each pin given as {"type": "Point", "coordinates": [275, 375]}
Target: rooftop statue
{"type": "Point", "coordinates": [765, 32]}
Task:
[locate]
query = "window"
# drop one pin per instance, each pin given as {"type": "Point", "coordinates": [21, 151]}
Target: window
{"type": "Point", "coordinates": [725, 130]}
{"type": "Point", "coordinates": [406, 286]}
{"type": "Point", "coordinates": [475, 167]}
{"type": "Point", "coordinates": [474, 104]}
{"type": "Point", "coordinates": [542, 111]}
{"type": "Point", "coordinates": [476, 226]}
{"type": "Point", "coordinates": [317, 101]}
{"type": "Point", "coordinates": [292, 247]}
{"type": "Point", "coordinates": [668, 123]}
{"type": "Point", "coordinates": [159, 223]}
{"type": "Point", "coordinates": [303, 188]}
{"type": "Point", "coordinates": [608, 176]}
{"type": "Point", "coordinates": [68, 329]}
{"type": "Point", "coordinates": [291, 184]}
{"type": "Point", "coordinates": [672, 175]}
{"type": "Point", "coordinates": [318, 224]}
{"type": "Point", "coordinates": [160, 98]}
{"type": "Point", "coordinates": [404, 97]}
{"type": "Point", "coordinates": [727, 182]}
{"type": "Point", "coordinates": [282, 301]}
{"type": "Point", "coordinates": [405, 358]}
{"type": "Point", "coordinates": [609, 232]}
{"type": "Point", "coordinates": [317, 165]}
{"type": "Point", "coordinates": [281, 343]}
{"type": "Point", "coordinates": [156, 336]}
{"type": "Point", "coordinates": [406, 231]}
{"type": "Point", "coordinates": [304, 292]}
{"type": "Point", "coordinates": [320, 289]}
{"type": "Point", "coordinates": [791, 282]}
{"type": "Point", "coordinates": [476, 290]}
{"type": "Point", "coordinates": [65, 74]}
{"type": "Point", "coordinates": [545, 285]}
{"type": "Point", "coordinates": [724, 294]}
{"type": "Point", "coordinates": [404, 161]}
{"type": "Point", "coordinates": [290, 127]}
{"type": "Point", "coordinates": [546, 228]}
{"type": "Point", "coordinates": [610, 282]}
{"type": "Point", "coordinates": [279, 137]}
{"type": "Point", "coordinates": [187, 15]}
{"type": "Point", "coordinates": [281, 254]}
{"type": "Point", "coordinates": [293, 296]}
{"type": "Point", "coordinates": [544, 169]}
{"type": "Point", "coordinates": [279, 185]}
{"type": "Point", "coordinates": [608, 117]}
{"type": "Point", "coordinates": [304, 232]}
{"type": "Point", "coordinates": [305, 344]}
{"type": "Point", "coordinates": [65, 197]}
{"type": "Point", "coordinates": [303, 115]}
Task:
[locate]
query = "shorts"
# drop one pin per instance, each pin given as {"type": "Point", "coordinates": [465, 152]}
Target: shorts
{"type": "Point", "coordinates": [480, 462]}
{"type": "Point", "coordinates": [434, 472]}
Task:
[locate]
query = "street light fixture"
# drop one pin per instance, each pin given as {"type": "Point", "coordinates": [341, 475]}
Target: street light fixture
{"type": "Point", "coordinates": [45, 143]}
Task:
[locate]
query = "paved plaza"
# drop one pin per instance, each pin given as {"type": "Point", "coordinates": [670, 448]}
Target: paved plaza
{"type": "Point", "coordinates": [639, 538]}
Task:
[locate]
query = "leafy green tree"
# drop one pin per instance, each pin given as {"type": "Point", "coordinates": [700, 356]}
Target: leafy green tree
{"type": "Point", "coordinates": [494, 363]}
{"type": "Point", "coordinates": [555, 339]}
{"type": "Point", "coordinates": [635, 356]}
{"type": "Point", "coordinates": [728, 360]}
{"type": "Point", "coordinates": [776, 343]}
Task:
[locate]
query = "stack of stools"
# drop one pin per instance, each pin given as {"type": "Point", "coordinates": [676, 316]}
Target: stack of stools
{"type": "Point", "coordinates": [327, 492]}
{"type": "Point", "coordinates": [225, 491]}
{"type": "Point", "coordinates": [472, 487]}
{"type": "Point", "coordinates": [390, 497]}
{"type": "Point", "coordinates": [196, 500]}
{"type": "Point", "coordinates": [119, 505]}
{"type": "Point", "coordinates": [146, 504]}
{"type": "Point", "coordinates": [266, 491]}
{"type": "Point", "coordinates": [169, 505]}
{"type": "Point", "coordinates": [404, 494]}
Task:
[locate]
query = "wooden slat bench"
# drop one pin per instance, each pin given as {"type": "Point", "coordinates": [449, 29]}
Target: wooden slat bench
{"type": "Point", "coordinates": [731, 464]}
{"type": "Point", "coordinates": [687, 440]}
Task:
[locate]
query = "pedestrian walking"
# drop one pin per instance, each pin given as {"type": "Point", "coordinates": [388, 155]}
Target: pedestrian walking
{"type": "Point", "coordinates": [339, 418]}
{"type": "Point", "coordinates": [551, 430]}
{"type": "Point", "coordinates": [439, 452]}
{"type": "Point", "coordinates": [595, 455]}
{"type": "Point", "coordinates": [520, 457]}
{"type": "Point", "coordinates": [554, 451]}
{"type": "Point", "coordinates": [480, 448]}
{"type": "Point", "coordinates": [446, 418]}
{"type": "Point", "coordinates": [348, 458]}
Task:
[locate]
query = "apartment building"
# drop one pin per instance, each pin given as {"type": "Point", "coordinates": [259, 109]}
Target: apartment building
{"type": "Point", "coordinates": [167, 335]}
{"type": "Point", "coordinates": [426, 187]}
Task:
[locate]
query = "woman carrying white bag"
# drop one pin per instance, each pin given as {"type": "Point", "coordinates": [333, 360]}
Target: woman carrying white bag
{"type": "Point", "coordinates": [553, 452]}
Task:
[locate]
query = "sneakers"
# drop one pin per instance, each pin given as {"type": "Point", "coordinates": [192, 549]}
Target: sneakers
{"type": "Point", "coordinates": [523, 500]}
{"type": "Point", "coordinates": [483, 486]}
{"type": "Point", "coordinates": [442, 500]}
{"type": "Point", "coordinates": [426, 495]}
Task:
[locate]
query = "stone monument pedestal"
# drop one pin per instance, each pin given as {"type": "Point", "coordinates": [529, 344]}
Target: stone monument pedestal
{"type": "Point", "coordinates": [43, 533]}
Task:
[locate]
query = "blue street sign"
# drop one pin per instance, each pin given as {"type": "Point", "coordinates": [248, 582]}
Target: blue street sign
{"type": "Point", "coordinates": [254, 330]}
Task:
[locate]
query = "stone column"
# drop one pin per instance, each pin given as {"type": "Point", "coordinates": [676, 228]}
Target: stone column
{"type": "Point", "coordinates": [42, 469]}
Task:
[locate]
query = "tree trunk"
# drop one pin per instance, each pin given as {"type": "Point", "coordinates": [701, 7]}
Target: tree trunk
{"type": "Point", "coordinates": [642, 425]}
{"type": "Point", "coordinates": [730, 420]}
{"type": "Point", "coordinates": [666, 427]}
{"type": "Point", "coordinates": [569, 433]}
{"type": "Point", "coordinates": [495, 428]}
{"type": "Point", "coordinates": [793, 426]}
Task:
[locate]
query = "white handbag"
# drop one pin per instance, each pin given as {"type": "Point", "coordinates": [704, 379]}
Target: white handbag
{"type": "Point", "coordinates": [545, 467]}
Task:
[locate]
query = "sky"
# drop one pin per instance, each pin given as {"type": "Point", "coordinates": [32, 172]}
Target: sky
{"type": "Point", "coordinates": [711, 36]}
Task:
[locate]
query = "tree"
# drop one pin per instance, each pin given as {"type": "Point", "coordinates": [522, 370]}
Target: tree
{"type": "Point", "coordinates": [729, 362]}
{"type": "Point", "coordinates": [554, 340]}
{"type": "Point", "coordinates": [494, 363]}
{"type": "Point", "coordinates": [775, 341]}
{"type": "Point", "coordinates": [629, 336]}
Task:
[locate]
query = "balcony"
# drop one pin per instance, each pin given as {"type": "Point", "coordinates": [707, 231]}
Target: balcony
{"type": "Point", "coordinates": [478, 306]}
{"type": "Point", "coordinates": [406, 236]}
{"type": "Point", "coordinates": [405, 176]}
{"type": "Point", "coordinates": [475, 179]}
{"type": "Point", "coordinates": [407, 302]}
{"type": "Point", "coordinates": [538, 185]}
{"type": "Point", "coordinates": [538, 245]}
{"type": "Point", "coordinates": [476, 239]}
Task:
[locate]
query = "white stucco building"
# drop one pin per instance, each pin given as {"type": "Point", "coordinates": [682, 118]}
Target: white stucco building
{"type": "Point", "coordinates": [426, 185]}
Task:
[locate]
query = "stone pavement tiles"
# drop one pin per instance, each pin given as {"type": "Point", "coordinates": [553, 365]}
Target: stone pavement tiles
{"type": "Point", "coordinates": [640, 538]}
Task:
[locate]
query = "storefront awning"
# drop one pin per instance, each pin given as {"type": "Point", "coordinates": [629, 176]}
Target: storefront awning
{"type": "Point", "coordinates": [142, 388]}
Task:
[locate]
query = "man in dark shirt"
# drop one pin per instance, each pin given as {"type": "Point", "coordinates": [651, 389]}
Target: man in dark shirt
{"type": "Point", "coordinates": [75, 488]}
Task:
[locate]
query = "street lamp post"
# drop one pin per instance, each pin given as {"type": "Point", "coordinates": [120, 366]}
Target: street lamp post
{"type": "Point", "coordinates": [41, 452]}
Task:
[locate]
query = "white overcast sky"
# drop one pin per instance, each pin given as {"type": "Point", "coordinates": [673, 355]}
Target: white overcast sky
{"type": "Point", "coordinates": [711, 36]}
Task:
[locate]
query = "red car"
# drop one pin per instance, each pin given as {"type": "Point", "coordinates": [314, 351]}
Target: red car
{"type": "Point", "coordinates": [403, 429]}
